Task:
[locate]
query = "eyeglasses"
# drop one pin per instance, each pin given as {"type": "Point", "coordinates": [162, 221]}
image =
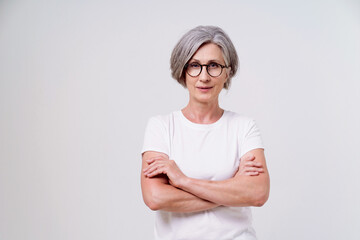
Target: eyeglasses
{"type": "Point", "coordinates": [213, 69]}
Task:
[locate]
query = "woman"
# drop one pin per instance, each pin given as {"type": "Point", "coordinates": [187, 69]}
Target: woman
{"type": "Point", "coordinates": [203, 167]}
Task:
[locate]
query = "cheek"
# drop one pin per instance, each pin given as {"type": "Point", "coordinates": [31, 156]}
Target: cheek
{"type": "Point", "coordinates": [222, 83]}
{"type": "Point", "coordinates": [189, 83]}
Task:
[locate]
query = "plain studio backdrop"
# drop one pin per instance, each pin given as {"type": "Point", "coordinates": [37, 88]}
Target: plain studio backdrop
{"type": "Point", "coordinates": [79, 80]}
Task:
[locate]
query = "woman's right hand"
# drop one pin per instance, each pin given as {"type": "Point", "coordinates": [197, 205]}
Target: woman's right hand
{"type": "Point", "coordinates": [249, 167]}
{"type": "Point", "coordinates": [163, 165]}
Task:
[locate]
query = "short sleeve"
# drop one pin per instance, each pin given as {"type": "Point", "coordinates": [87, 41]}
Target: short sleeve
{"type": "Point", "coordinates": [156, 136]}
{"type": "Point", "coordinates": [251, 138]}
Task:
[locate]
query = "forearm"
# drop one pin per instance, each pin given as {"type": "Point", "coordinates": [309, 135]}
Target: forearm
{"type": "Point", "coordinates": [168, 198]}
{"type": "Point", "coordinates": [236, 191]}
{"type": "Point", "coordinates": [172, 199]}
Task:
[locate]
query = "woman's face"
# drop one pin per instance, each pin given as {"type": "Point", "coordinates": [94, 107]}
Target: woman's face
{"type": "Point", "coordinates": [205, 88]}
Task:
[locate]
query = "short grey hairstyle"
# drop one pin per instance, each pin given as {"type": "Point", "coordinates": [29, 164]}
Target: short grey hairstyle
{"type": "Point", "coordinates": [192, 41]}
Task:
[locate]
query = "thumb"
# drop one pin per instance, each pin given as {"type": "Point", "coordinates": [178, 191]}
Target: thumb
{"type": "Point", "coordinates": [249, 157]}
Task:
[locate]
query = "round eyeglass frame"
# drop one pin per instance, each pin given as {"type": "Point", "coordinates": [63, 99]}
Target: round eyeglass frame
{"type": "Point", "coordinates": [207, 69]}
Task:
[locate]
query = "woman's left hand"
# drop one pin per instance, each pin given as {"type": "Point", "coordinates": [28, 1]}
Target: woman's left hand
{"type": "Point", "coordinates": [162, 165]}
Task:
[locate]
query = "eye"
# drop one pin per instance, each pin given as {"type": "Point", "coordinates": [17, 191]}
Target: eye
{"type": "Point", "coordinates": [194, 65]}
{"type": "Point", "coordinates": [213, 65]}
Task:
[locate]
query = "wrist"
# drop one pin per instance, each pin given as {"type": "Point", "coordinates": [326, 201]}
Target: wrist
{"type": "Point", "coordinates": [185, 181]}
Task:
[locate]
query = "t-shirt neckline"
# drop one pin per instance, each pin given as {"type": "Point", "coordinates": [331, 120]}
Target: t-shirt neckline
{"type": "Point", "coordinates": [200, 125]}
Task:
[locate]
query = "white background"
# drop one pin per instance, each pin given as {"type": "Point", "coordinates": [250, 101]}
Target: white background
{"type": "Point", "coordinates": [79, 80]}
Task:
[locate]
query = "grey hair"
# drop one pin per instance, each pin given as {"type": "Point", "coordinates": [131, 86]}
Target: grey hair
{"type": "Point", "coordinates": [192, 41]}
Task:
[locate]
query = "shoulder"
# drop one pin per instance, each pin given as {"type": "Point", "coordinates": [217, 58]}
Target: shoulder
{"type": "Point", "coordinates": [244, 125]}
{"type": "Point", "coordinates": [238, 119]}
{"type": "Point", "coordinates": [162, 120]}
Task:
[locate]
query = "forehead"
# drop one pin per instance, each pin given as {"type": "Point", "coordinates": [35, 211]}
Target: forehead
{"type": "Point", "coordinates": [208, 51]}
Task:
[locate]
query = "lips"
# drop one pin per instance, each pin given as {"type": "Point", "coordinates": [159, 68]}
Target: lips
{"type": "Point", "coordinates": [204, 88]}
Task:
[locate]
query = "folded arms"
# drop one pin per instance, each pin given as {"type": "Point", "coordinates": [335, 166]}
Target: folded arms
{"type": "Point", "coordinates": [165, 187]}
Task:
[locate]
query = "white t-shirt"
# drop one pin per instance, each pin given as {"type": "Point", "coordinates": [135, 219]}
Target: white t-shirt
{"type": "Point", "coordinates": [204, 151]}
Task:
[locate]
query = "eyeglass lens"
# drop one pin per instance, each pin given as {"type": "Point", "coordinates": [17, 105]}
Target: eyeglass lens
{"type": "Point", "coordinates": [213, 69]}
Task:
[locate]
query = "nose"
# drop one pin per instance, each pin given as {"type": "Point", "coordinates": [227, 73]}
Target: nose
{"type": "Point", "coordinates": [204, 75]}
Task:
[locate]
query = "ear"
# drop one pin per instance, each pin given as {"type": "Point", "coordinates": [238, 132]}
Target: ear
{"type": "Point", "coordinates": [228, 70]}
{"type": "Point", "coordinates": [227, 74]}
{"type": "Point", "coordinates": [184, 83]}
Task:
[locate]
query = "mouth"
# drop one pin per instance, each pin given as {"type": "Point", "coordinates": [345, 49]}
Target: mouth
{"type": "Point", "coordinates": [204, 88]}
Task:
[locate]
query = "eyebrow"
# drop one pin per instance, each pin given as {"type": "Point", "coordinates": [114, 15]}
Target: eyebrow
{"type": "Point", "coordinates": [209, 61]}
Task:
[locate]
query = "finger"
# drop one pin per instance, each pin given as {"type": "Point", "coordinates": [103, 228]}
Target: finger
{"type": "Point", "coordinates": [156, 172]}
{"type": "Point", "coordinates": [152, 168]}
{"type": "Point", "coordinates": [158, 162]}
{"type": "Point", "coordinates": [252, 173]}
{"type": "Point", "coordinates": [149, 166]}
{"type": "Point", "coordinates": [152, 164]}
{"type": "Point", "coordinates": [249, 163]}
{"type": "Point", "coordinates": [253, 164]}
{"type": "Point", "coordinates": [250, 157]}
{"type": "Point", "coordinates": [153, 159]}
{"type": "Point", "coordinates": [253, 169]}
{"type": "Point", "coordinates": [150, 160]}
{"type": "Point", "coordinates": [147, 170]}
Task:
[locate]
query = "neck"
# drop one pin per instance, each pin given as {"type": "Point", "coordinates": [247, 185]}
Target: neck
{"type": "Point", "coordinates": [203, 113]}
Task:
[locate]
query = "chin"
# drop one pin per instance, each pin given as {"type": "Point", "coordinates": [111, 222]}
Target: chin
{"type": "Point", "coordinates": [204, 99]}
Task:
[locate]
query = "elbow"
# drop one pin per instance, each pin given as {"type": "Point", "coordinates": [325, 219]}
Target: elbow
{"type": "Point", "coordinates": [152, 201]}
{"type": "Point", "coordinates": [152, 205]}
{"type": "Point", "coordinates": [259, 202]}
{"type": "Point", "coordinates": [260, 198]}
